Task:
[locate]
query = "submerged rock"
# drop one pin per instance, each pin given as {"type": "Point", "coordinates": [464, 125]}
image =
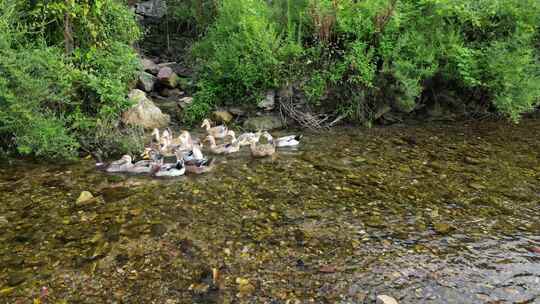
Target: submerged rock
{"type": "Point", "coordinates": [267, 122]}
{"type": "Point", "coordinates": [472, 161]}
{"type": "Point", "coordinates": [84, 197]}
{"type": "Point", "coordinates": [384, 299]}
{"type": "Point", "coordinates": [16, 278]}
{"type": "Point", "coordinates": [158, 230]}
{"type": "Point", "coordinates": [144, 112]}
{"type": "Point", "coordinates": [442, 228]}
{"type": "Point", "coordinates": [245, 288]}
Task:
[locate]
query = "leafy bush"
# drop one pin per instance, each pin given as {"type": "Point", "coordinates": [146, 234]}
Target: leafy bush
{"type": "Point", "coordinates": [194, 15]}
{"type": "Point", "coordinates": [238, 58]}
{"type": "Point", "coordinates": [365, 53]}
{"type": "Point", "coordinates": [107, 140]}
{"type": "Point", "coordinates": [56, 87]}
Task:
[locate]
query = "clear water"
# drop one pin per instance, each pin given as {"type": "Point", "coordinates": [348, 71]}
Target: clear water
{"type": "Point", "coordinates": [426, 214]}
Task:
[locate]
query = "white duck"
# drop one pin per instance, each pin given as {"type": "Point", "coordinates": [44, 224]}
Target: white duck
{"type": "Point", "coordinates": [155, 136]}
{"type": "Point", "coordinates": [165, 140]}
{"type": "Point", "coordinates": [169, 170]}
{"type": "Point", "coordinates": [223, 148]}
{"type": "Point", "coordinates": [263, 150]}
{"type": "Point", "coordinates": [288, 141]}
{"type": "Point", "coordinates": [217, 131]}
{"type": "Point", "coordinates": [247, 139]}
{"type": "Point", "coordinates": [194, 161]}
{"type": "Point", "coordinates": [121, 165]}
{"type": "Point", "coordinates": [185, 142]}
{"type": "Point", "coordinates": [125, 164]}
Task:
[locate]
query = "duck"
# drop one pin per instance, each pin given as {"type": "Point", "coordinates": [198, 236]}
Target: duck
{"type": "Point", "coordinates": [217, 131]}
{"type": "Point", "coordinates": [185, 142]}
{"type": "Point", "coordinates": [155, 136]}
{"type": "Point", "coordinates": [288, 141]}
{"type": "Point", "coordinates": [121, 165]}
{"type": "Point", "coordinates": [195, 162]}
{"type": "Point", "coordinates": [141, 167]}
{"type": "Point", "coordinates": [165, 141]}
{"type": "Point", "coordinates": [169, 170]}
{"type": "Point", "coordinates": [263, 150]}
{"type": "Point", "coordinates": [150, 156]}
{"type": "Point", "coordinates": [189, 156]}
{"type": "Point", "coordinates": [200, 167]}
{"type": "Point", "coordinates": [246, 139]}
{"type": "Point", "coordinates": [168, 135]}
{"type": "Point", "coordinates": [155, 142]}
{"type": "Point", "coordinates": [197, 153]}
{"type": "Point", "coordinates": [223, 148]}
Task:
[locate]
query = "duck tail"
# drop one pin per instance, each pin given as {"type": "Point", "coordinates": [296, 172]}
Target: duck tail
{"type": "Point", "coordinates": [154, 169]}
{"type": "Point", "coordinates": [207, 162]}
{"type": "Point", "coordinates": [101, 166]}
{"type": "Point", "coordinates": [299, 137]}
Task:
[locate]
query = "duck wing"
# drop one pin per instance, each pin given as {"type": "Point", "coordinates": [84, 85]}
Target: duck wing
{"type": "Point", "coordinates": [119, 162]}
{"type": "Point", "coordinates": [290, 137]}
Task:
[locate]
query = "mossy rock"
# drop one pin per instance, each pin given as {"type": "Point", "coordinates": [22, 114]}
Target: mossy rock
{"type": "Point", "coordinates": [222, 116]}
{"type": "Point", "coordinates": [267, 122]}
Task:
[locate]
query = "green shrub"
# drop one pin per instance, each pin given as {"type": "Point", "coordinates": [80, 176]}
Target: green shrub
{"type": "Point", "coordinates": [105, 75]}
{"type": "Point", "coordinates": [107, 139]}
{"type": "Point", "coordinates": [35, 90]}
{"type": "Point", "coordinates": [194, 15]}
{"type": "Point", "coordinates": [50, 99]}
{"type": "Point", "coordinates": [238, 58]}
{"type": "Point", "coordinates": [373, 52]}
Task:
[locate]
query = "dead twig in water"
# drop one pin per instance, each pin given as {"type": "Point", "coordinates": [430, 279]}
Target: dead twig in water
{"type": "Point", "coordinates": [305, 118]}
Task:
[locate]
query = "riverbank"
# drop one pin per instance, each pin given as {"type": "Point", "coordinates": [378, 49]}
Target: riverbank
{"type": "Point", "coordinates": [443, 213]}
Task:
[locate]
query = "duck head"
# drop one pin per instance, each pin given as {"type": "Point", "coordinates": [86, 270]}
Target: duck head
{"type": "Point", "coordinates": [211, 140]}
{"type": "Point", "coordinates": [169, 132]}
{"type": "Point", "coordinates": [146, 153]}
{"type": "Point", "coordinates": [197, 153]}
{"type": "Point", "coordinates": [155, 134]}
{"type": "Point", "coordinates": [206, 124]}
{"type": "Point", "coordinates": [127, 158]}
{"type": "Point", "coordinates": [232, 135]}
{"type": "Point", "coordinates": [185, 138]}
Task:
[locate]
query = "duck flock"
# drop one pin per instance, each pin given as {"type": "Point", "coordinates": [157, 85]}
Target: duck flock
{"type": "Point", "coordinates": [188, 151]}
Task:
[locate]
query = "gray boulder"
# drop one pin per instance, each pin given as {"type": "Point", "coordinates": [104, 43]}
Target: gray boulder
{"type": "Point", "coordinates": [268, 102]}
{"type": "Point", "coordinates": [171, 107]}
{"type": "Point", "coordinates": [185, 101]}
{"type": "Point", "coordinates": [152, 8]}
{"type": "Point", "coordinates": [150, 66]}
{"type": "Point", "coordinates": [222, 116]}
{"type": "Point", "coordinates": [144, 112]}
{"type": "Point", "coordinates": [146, 82]}
{"type": "Point", "coordinates": [266, 122]}
{"type": "Point", "coordinates": [167, 77]}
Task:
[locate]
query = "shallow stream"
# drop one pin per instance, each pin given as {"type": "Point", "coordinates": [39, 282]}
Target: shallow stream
{"type": "Point", "coordinates": [445, 213]}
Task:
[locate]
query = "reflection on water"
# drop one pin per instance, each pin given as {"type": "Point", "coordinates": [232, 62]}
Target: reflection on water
{"type": "Point", "coordinates": [430, 214]}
